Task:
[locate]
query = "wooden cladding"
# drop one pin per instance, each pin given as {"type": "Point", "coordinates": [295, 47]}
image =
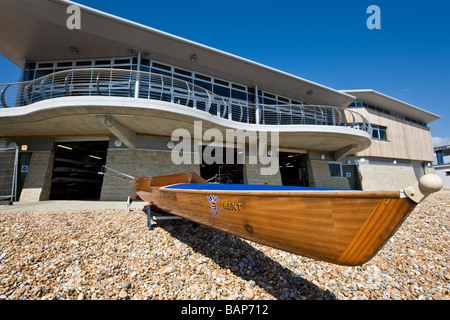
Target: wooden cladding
{"type": "Point", "coordinates": [405, 140]}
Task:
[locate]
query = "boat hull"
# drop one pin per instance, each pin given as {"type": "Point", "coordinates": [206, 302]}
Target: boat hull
{"type": "Point", "coordinates": [341, 227]}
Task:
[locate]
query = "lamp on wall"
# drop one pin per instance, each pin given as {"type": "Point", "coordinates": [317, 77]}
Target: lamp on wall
{"type": "Point", "coordinates": [194, 57]}
{"type": "Point", "coordinates": [310, 93]}
{"type": "Point", "coordinates": [117, 142]}
{"type": "Point", "coordinates": [74, 51]}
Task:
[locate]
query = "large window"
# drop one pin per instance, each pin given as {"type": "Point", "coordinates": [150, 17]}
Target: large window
{"type": "Point", "coordinates": [221, 87]}
{"type": "Point", "coordinates": [39, 69]}
{"type": "Point", "coordinates": [379, 133]}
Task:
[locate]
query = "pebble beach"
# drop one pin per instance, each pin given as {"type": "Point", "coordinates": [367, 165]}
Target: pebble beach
{"type": "Point", "coordinates": [112, 255]}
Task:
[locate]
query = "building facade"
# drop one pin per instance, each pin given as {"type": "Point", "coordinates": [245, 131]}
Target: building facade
{"type": "Point", "coordinates": [442, 165]}
{"type": "Point", "coordinates": [145, 102]}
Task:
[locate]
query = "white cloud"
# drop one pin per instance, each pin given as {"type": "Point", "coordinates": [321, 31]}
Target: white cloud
{"type": "Point", "coordinates": [438, 142]}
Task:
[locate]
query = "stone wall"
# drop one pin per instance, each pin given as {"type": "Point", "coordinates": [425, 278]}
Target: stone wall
{"type": "Point", "coordinates": [386, 177]}
{"type": "Point", "coordinates": [137, 163]}
{"type": "Point", "coordinates": [38, 182]}
{"type": "Point", "coordinates": [320, 176]}
{"type": "Point", "coordinates": [252, 175]}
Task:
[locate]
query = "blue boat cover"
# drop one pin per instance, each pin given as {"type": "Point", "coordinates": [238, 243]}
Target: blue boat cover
{"type": "Point", "coordinates": [239, 187]}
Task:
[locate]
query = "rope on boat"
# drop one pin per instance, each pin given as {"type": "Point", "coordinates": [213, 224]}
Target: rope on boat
{"type": "Point", "coordinates": [106, 171]}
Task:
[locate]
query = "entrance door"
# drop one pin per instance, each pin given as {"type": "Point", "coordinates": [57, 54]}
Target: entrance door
{"type": "Point", "coordinates": [22, 170]}
{"type": "Point", "coordinates": [351, 172]}
{"type": "Point", "coordinates": [293, 169]}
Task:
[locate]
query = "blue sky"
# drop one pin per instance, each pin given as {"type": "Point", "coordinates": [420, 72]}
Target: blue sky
{"type": "Point", "coordinates": [324, 41]}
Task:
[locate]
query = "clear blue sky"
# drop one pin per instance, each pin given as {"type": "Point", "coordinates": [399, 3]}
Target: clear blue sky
{"type": "Point", "coordinates": [325, 41]}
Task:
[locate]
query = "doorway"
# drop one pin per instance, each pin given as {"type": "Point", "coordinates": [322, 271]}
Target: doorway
{"type": "Point", "coordinates": [294, 169]}
{"type": "Point", "coordinates": [22, 171]}
{"type": "Point", "coordinates": [75, 170]}
{"type": "Point", "coordinates": [223, 172]}
{"type": "Point", "coordinates": [351, 172]}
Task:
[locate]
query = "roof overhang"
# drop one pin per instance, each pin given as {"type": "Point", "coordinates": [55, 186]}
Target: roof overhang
{"type": "Point", "coordinates": [381, 100]}
{"type": "Point", "coordinates": [37, 30]}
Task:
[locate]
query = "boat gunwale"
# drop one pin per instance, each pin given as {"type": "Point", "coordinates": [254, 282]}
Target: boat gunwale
{"type": "Point", "coordinates": [299, 193]}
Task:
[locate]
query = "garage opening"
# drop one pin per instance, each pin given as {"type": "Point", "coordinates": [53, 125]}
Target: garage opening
{"type": "Point", "coordinates": [293, 169]}
{"type": "Point", "coordinates": [223, 172]}
{"type": "Point", "coordinates": [75, 170]}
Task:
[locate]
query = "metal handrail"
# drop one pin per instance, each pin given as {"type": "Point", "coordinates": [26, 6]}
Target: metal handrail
{"type": "Point", "coordinates": [154, 86]}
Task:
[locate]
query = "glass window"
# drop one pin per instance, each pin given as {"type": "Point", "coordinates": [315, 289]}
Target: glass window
{"type": "Point", "coordinates": [122, 61]}
{"type": "Point", "coordinates": [335, 169]}
{"type": "Point", "coordinates": [222, 91]}
{"type": "Point", "coordinates": [45, 65]}
{"type": "Point", "coordinates": [282, 100]}
{"type": "Point", "coordinates": [221, 82]}
{"type": "Point", "coordinates": [383, 135]}
{"type": "Point", "coordinates": [103, 62]}
{"type": "Point", "coordinates": [203, 84]}
{"type": "Point", "coordinates": [379, 132]}
{"type": "Point", "coordinates": [183, 72]}
{"type": "Point", "coordinates": [87, 63]}
{"type": "Point", "coordinates": [202, 77]}
{"type": "Point", "coordinates": [237, 94]}
{"type": "Point", "coordinates": [161, 66]}
{"type": "Point", "coordinates": [66, 64]}
{"type": "Point", "coordinates": [375, 133]}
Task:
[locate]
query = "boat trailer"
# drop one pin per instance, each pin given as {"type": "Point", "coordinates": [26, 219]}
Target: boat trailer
{"type": "Point", "coordinates": [151, 214]}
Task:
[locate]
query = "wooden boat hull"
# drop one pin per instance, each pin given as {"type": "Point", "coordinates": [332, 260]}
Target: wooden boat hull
{"type": "Point", "coordinates": [337, 226]}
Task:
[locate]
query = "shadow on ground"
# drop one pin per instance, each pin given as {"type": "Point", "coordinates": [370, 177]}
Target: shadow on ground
{"type": "Point", "coordinates": [244, 261]}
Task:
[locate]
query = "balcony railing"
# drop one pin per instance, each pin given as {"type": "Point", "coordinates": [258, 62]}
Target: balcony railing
{"type": "Point", "coordinates": [144, 85]}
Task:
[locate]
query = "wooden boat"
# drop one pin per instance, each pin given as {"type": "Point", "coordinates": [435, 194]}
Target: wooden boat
{"type": "Point", "coordinates": [339, 226]}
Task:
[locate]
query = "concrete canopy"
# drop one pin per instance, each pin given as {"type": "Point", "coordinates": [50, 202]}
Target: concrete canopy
{"type": "Point", "coordinates": [74, 115]}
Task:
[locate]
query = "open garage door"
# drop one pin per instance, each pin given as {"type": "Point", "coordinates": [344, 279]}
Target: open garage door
{"type": "Point", "coordinates": [75, 170]}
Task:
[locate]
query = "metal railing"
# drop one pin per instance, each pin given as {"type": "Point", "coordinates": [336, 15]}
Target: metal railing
{"type": "Point", "coordinates": [145, 85]}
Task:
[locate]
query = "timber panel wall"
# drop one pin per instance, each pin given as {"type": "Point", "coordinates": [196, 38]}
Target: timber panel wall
{"type": "Point", "coordinates": [406, 140]}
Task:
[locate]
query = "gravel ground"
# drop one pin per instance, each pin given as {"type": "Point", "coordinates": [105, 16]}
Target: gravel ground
{"type": "Point", "coordinates": [111, 254]}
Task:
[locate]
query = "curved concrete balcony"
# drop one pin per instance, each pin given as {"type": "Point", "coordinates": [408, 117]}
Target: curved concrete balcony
{"type": "Point", "coordinates": [131, 102]}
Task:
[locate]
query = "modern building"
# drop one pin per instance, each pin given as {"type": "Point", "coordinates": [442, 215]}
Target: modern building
{"type": "Point", "coordinates": [442, 166]}
{"type": "Point", "coordinates": [111, 91]}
